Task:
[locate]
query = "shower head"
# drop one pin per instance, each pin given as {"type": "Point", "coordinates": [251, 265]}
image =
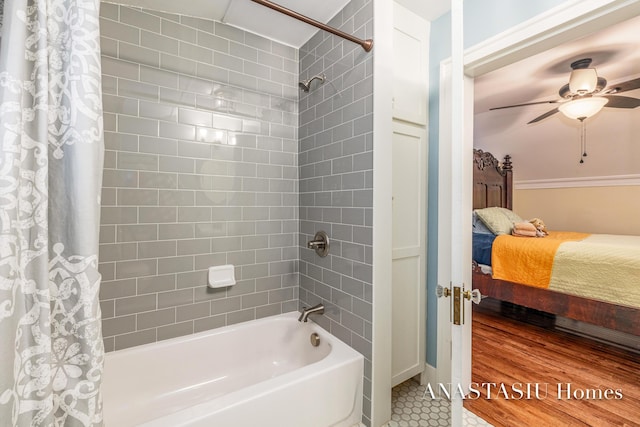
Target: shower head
{"type": "Point", "coordinates": [305, 85]}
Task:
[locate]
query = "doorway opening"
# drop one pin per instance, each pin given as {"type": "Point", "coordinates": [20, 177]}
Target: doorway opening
{"type": "Point", "coordinates": [479, 66]}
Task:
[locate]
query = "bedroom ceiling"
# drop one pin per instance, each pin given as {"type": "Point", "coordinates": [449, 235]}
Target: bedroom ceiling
{"type": "Point", "coordinates": [615, 52]}
{"type": "Point", "coordinates": [551, 146]}
{"type": "Point", "coordinates": [260, 20]}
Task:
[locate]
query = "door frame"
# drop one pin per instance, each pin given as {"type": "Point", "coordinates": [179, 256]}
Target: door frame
{"type": "Point", "coordinates": [571, 20]}
{"type": "Point", "coordinates": [380, 386]}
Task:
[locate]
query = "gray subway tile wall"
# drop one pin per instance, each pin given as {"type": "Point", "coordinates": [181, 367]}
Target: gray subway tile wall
{"type": "Point", "coordinates": [200, 170]}
{"type": "Point", "coordinates": [336, 187]}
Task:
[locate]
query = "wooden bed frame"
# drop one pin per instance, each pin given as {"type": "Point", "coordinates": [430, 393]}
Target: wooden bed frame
{"type": "Point", "coordinates": [493, 186]}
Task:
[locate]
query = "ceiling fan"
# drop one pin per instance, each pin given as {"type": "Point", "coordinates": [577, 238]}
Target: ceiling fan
{"type": "Point", "coordinates": [585, 94]}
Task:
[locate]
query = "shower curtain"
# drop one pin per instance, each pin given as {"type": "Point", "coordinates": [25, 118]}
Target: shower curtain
{"type": "Point", "coordinates": [51, 153]}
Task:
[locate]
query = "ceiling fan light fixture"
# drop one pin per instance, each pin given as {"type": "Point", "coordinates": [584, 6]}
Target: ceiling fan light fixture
{"type": "Point", "coordinates": [583, 81]}
{"type": "Point", "coordinates": [583, 108]}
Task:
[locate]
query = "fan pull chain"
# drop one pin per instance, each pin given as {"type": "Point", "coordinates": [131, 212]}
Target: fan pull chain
{"type": "Point", "coordinates": [584, 149]}
{"type": "Point", "coordinates": [583, 140]}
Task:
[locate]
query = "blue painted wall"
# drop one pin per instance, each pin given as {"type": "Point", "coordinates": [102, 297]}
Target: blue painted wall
{"type": "Point", "coordinates": [482, 20]}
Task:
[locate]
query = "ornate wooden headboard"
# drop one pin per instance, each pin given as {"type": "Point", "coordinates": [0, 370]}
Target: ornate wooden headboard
{"type": "Point", "coordinates": [492, 183]}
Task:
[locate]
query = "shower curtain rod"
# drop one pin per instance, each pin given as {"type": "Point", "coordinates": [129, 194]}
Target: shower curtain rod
{"type": "Point", "coordinates": [367, 45]}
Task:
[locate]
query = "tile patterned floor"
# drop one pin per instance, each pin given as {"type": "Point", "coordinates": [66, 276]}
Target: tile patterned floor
{"type": "Point", "coordinates": [412, 409]}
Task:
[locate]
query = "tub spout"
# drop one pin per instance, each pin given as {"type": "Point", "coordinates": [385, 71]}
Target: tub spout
{"type": "Point", "coordinates": [317, 309]}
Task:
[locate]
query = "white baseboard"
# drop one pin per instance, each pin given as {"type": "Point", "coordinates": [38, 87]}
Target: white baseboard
{"type": "Point", "coordinates": [429, 375]}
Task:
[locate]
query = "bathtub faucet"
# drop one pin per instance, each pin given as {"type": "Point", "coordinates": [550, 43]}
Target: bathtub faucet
{"type": "Point", "coordinates": [317, 309]}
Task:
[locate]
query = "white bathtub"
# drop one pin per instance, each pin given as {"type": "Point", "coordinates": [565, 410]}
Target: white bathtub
{"type": "Point", "coordinates": [259, 373]}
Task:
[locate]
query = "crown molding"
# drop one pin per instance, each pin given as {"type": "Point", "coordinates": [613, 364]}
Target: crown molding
{"type": "Point", "coordinates": [594, 181]}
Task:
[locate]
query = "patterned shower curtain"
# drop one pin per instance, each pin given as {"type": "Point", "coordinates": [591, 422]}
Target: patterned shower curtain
{"type": "Point", "coordinates": [51, 152]}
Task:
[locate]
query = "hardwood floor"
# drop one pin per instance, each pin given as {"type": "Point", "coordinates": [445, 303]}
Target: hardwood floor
{"type": "Point", "coordinates": [511, 352]}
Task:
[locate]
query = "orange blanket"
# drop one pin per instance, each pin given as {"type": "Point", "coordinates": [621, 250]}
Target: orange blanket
{"type": "Point", "coordinates": [528, 261]}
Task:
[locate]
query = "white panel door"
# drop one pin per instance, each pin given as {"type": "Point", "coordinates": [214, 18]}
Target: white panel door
{"type": "Point", "coordinates": [410, 66]}
{"type": "Point", "coordinates": [409, 189]}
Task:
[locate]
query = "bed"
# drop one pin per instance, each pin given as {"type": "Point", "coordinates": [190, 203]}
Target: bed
{"type": "Point", "coordinates": [493, 187]}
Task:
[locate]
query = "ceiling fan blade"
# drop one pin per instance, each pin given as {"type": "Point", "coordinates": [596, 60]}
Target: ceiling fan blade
{"type": "Point", "coordinates": [616, 101]}
{"type": "Point", "coordinates": [544, 116]}
{"type": "Point", "coordinates": [625, 86]}
{"type": "Point", "coordinates": [522, 105]}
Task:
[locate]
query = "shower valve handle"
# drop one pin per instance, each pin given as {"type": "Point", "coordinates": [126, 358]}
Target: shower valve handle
{"type": "Point", "coordinates": [320, 243]}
